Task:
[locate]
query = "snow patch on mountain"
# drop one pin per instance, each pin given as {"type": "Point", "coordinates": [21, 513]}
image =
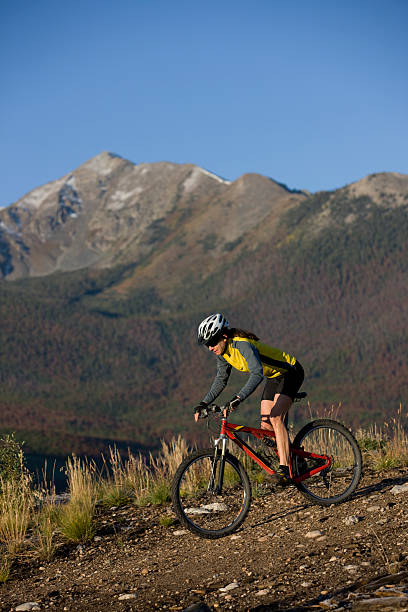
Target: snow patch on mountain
{"type": "Point", "coordinates": [71, 181]}
{"type": "Point", "coordinates": [214, 176]}
{"type": "Point", "coordinates": [35, 198]}
{"type": "Point", "coordinates": [121, 198]}
{"type": "Point", "coordinates": [196, 175]}
{"type": "Point", "coordinates": [8, 230]}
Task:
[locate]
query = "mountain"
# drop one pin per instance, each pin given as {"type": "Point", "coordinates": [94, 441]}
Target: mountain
{"type": "Point", "coordinates": [110, 211]}
{"type": "Point", "coordinates": [108, 270]}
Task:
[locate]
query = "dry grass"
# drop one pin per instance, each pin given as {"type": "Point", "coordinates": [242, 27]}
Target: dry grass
{"type": "Point", "coordinates": [16, 506]}
{"type": "Point", "coordinates": [387, 447]}
{"type": "Point", "coordinates": [136, 478]}
{"type": "Point", "coordinates": [383, 447]}
{"type": "Point", "coordinates": [16, 510]}
{"type": "Point", "coordinates": [45, 522]}
{"type": "Point", "coordinates": [328, 412]}
{"type": "Point", "coordinates": [133, 479]}
{"type": "Point", "coordinates": [143, 480]}
{"type": "Point", "coordinates": [171, 455]}
{"type": "Point", "coordinates": [5, 567]}
{"type": "Point", "coordinates": [115, 489]}
{"type": "Point", "coordinates": [45, 518]}
{"type": "Point", "coordinates": [125, 480]}
{"type": "Point", "coordinates": [76, 518]}
{"type": "Point", "coordinates": [162, 470]}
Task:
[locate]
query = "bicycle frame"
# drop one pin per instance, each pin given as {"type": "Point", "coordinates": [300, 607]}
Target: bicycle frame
{"type": "Point", "coordinates": [229, 431]}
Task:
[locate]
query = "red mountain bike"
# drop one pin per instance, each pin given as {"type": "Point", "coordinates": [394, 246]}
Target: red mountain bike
{"type": "Point", "coordinates": [211, 490]}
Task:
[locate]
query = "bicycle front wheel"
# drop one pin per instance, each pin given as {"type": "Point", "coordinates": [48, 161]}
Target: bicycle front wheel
{"type": "Point", "coordinates": [198, 501]}
{"type": "Point", "coordinates": [324, 437]}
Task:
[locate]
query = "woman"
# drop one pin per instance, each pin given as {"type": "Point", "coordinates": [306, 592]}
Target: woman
{"type": "Point", "coordinates": [242, 350]}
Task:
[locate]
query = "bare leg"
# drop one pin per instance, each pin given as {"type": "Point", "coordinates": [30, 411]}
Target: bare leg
{"type": "Point", "coordinates": [273, 418]}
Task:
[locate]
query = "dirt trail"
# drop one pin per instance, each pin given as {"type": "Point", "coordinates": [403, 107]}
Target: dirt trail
{"type": "Point", "coordinates": [289, 555]}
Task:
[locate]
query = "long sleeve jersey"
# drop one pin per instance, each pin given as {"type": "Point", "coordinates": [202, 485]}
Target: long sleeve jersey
{"type": "Point", "coordinates": [247, 355]}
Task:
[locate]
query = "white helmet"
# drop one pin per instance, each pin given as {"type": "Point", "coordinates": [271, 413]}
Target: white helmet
{"type": "Point", "coordinates": [210, 327]}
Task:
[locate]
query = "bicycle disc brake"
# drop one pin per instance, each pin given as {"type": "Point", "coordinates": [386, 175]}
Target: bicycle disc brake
{"type": "Point", "coordinates": [326, 472]}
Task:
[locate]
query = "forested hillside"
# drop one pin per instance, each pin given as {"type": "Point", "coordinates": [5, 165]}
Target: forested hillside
{"type": "Point", "coordinates": [99, 355]}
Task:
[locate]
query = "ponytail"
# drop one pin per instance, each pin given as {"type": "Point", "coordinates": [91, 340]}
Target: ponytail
{"type": "Point", "coordinates": [242, 333]}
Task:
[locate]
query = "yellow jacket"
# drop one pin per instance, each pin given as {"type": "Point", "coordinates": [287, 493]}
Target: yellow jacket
{"type": "Point", "coordinates": [246, 355]}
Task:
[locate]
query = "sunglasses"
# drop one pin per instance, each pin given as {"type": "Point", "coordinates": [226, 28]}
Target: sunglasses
{"type": "Point", "coordinates": [213, 341]}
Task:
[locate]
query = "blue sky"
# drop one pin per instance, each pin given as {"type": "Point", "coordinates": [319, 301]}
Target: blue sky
{"type": "Point", "coordinates": [313, 93]}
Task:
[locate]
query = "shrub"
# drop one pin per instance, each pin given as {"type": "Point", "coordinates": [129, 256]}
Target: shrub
{"type": "Point", "coordinates": [45, 522]}
{"type": "Point", "coordinates": [371, 444]}
{"type": "Point", "coordinates": [166, 520]}
{"type": "Point", "coordinates": [76, 522]}
{"type": "Point", "coordinates": [11, 458]}
{"type": "Point", "coordinates": [5, 567]}
{"type": "Point", "coordinates": [160, 492]}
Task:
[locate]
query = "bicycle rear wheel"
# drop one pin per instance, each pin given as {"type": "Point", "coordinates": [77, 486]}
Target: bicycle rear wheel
{"type": "Point", "coordinates": [337, 482]}
{"type": "Point", "coordinates": [197, 502]}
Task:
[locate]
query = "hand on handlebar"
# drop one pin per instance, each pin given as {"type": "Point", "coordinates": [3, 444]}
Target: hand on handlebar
{"type": "Point", "coordinates": [202, 410]}
{"type": "Point", "coordinates": [232, 405]}
{"type": "Point", "coordinates": [198, 409]}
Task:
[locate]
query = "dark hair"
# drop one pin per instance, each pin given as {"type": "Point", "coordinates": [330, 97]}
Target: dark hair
{"type": "Point", "coordinates": [242, 333]}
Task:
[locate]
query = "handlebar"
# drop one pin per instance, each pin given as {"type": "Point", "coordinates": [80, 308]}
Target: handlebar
{"type": "Point", "coordinates": [213, 408]}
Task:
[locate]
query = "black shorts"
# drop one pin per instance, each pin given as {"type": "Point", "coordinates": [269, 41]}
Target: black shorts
{"type": "Point", "coordinates": [286, 384]}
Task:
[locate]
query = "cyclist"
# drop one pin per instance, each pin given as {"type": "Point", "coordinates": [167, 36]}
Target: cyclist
{"type": "Point", "coordinates": [242, 350]}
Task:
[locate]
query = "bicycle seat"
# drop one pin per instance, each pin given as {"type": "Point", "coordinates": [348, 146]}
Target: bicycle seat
{"type": "Point", "coordinates": [300, 396]}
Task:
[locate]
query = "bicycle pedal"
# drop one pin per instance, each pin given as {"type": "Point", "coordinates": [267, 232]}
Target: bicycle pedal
{"type": "Point", "coordinates": [282, 476]}
{"type": "Point", "coordinates": [280, 481]}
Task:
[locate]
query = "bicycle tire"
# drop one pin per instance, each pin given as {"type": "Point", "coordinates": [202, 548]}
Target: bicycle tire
{"type": "Point", "coordinates": [337, 483]}
{"type": "Point", "coordinates": [201, 510]}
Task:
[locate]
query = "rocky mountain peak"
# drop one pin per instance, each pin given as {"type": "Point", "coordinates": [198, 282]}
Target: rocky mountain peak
{"type": "Point", "coordinates": [104, 163]}
{"type": "Point", "coordinates": [384, 189]}
{"type": "Point", "coordinates": [110, 210]}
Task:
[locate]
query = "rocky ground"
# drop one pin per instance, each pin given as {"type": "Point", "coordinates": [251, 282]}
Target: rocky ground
{"type": "Point", "coordinates": [289, 555]}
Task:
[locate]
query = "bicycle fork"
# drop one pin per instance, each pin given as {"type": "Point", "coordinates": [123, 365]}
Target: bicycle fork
{"type": "Point", "coordinates": [216, 487]}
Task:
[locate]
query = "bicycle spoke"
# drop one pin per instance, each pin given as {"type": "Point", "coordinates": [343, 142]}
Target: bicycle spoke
{"type": "Point", "coordinates": [200, 499]}
{"type": "Point", "coordinates": [201, 505]}
{"type": "Point", "coordinates": [330, 439]}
